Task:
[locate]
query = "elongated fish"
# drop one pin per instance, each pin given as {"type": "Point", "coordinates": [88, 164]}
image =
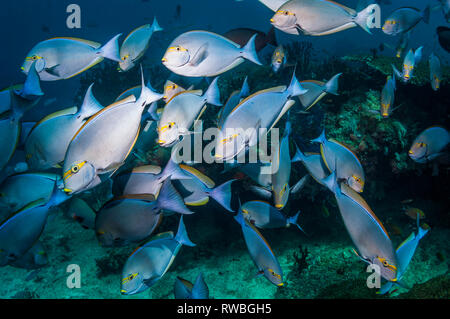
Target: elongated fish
{"type": "Point", "coordinates": [405, 253]}
{"type": "Point", "coordinates": [317, 91]}
{"type": "Point", "coordinates": [409, 63]}
{"type": "Point", "coordinates": [403, 20]}
{"type": "Point", "coordinates": [261, 110]}
{"type": "Point", "coordinates": [429, 144]}
{"type": "Point", "coordinates": [281, 166]}
{"type": "Point", "coordinates": [136, 44]}
{"type": "Point", "coordinates": [260, 252]}
{"type": "Point", "coordinates": [19, 190]}
{"type": "Point", "coordinates": [435, 72]}
{"type": "Point", "coordinates": [319, 17]}
{"type": "Point", "coordinates": [21, 231]}
{"type": "Point", "coordinates": [366, 231]}
{"type": "Point", "coordinates": [388, 97]}
{"type": "Point", "coordinates": [133, 218]}
{"type": "Point", "coordinates": [63, 58]}
{"type": "Point", "coordinates": [182, 110]}
{"type": "Point", "coordinates": [47, 143]}
{"type": "Point", "coordinates": [263, 215]}
{"type": "Point", "coordinates": [103, 143]}
{"type": "Point", "coordinates": [148, 263]}
{"type": "Point", "coordinates": [339, 157]}
{"type": "Point", "coordinates": [203, 53]}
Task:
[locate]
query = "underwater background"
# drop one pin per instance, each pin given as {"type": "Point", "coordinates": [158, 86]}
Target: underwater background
{"type": "Point", "coordinates": [318, 264]}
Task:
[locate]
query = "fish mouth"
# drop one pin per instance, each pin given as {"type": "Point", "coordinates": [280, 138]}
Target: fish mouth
{"type": "Point", "coordinates": [68, 191]}
{"type": "Point", "coordinates": [163, 60]}
{"type": "Point", "coordinates": [279, 206]}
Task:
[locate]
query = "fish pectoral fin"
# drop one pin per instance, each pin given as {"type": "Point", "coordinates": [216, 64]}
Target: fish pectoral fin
{"type": "Point", "coordinates": [200, 55]}
{"type": "Point", "coordinates": [109, 168]}
{"type": "Point", "coordinates": [53, 70]}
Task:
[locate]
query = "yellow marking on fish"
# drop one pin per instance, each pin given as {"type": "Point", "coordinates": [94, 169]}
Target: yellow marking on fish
{"type": "Point", "coordinates": [228, 139]}
{"type": "Point", "coordinates": [202, 177]}
{"type": "Point", "coordinates": [283, 12]}
{"type": "Point", "coordinates": [198, 203]}
{"type": "Point", "coordinates": [33, 58]}
{"type": "Point", "coordinates": [167, 127]}
{"type": "Point", "coordinates": [73, 170]}
{"type": "Point", "coordinates": [178, 48]}
{"type": "Point", "coordinates": [129, 278]}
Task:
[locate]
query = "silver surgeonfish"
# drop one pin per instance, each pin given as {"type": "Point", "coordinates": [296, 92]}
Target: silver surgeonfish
{"type": "Point", "coordinates": [63, 58]}
{"type": "Point", "coordinates": [254, 115]}
{"type": "Point", "coordinates": [200, 188]}
{"type": "Point", "coordinates": [339, 157]}
{"type": "Point", "coordinates": [403, 20]}
{"type": "Point", "coordinates": [104, 142]}
{"type": "Point", "coordinates": [435, 72]}
{"type": "Point", "coordinates": [184, 289]}
{"type": "Point", "coordinates": [49, 139]}
{"type": "Point", "coordinates": [409, 63]}
{"type": "Point", "coordinates": [366, 231]}
{"type": "Point", "coordinates": [388, 97]}
{"type": "Point", "coordinates": [313, 163]}
{"type": "Point", "coordinates": [278, 59]}
{"type": "Point", "coordinates": [319, 17]}
{"type": "Point", "coordinates": [150, 262]}
{"type": "Point", "coordinates": [20, 232]}
{"type": "Point", "coordinates": [317, 91]}
{"type": "Point", "coordinates": [136, 44]}
{"type": "Point", "coordinates": [146, 179]}
{"type": "Point", "coordinates": [429, 145]}
{"type": "Point", "coordinates": [260, 252]}
{"type": "Point", "coordinates": [234, 99]}
{"type": "Point", "coordinates": [203, 53]}
{"type": "Point", "coordinates": [405, 253]}
{"type": "Point", "coordinates": [133, 218]}
{"type": "Point", "coordinates": [281, 166]}
{"type": "Point", "coordinates": [182, 111]}
{"type": "Point", "coordinates": [263, 215]}
{"type": "Point", "coordinates": [19, 190]}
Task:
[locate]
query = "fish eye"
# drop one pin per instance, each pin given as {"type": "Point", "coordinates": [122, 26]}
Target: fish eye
{"type": "Point", "coordinates": [75, 169]}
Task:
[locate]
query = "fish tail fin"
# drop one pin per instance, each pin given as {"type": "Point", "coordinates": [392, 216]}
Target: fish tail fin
{"type": "Point", "coordinates": [239, 217]}
{"type": "Point", "coordinates": [293, 220]}
{"type": "Point", "coordinates": [222, 195]}
{"type": "Point", "coordinates": [170, 199]}
{"type": "Point", "coordinates": [299, 155]}
{"type": "Point", "coordinates": [321, 139]}
{"type": "Point", "coordinates": [271, 37]}
{"type": "Point", "coordinates": [295, 88]}
{"type": "Point", "coordinates": [182, 236]}
{"type": "Point", "coordinates": [155, 26]}
{"type": "Point", "coordinates": [152, 111]}
{"type": "Point", "coordinates": [249, 52]}
{"type": "Point", "coordinates": [426, 14]}
{"type": "Point", "coordinates": [111, 49]}
{"type": "Point", "coordinates": [212, 95]}
{"type": "Point", "coordinates": [332, 85]}
{"type": "Point", "coordinates": [32, 86]}
{"type": "Point", "coordinates": [148, 94]}
{"type": "Point", "coordinates": [173, 171]}
{"type": "Point", "coordinates": [200, 290]}
{"type": "Point", "coordinates": [420, 231]}
{"type": "Point", "coordinates": [90, 104]}
{"type": "Point", "coordinates": [362, 17]}
{"type": "Point", "coordinates": [331, 182]}
{"type": "Point", "coordinates": [57, 197]}
{"type": "Point", "coordinates": [245, 90]}
{"type": "Point", "coordinates": [418, 55]}
{"type": "Point", "coordinates": [287, 127]}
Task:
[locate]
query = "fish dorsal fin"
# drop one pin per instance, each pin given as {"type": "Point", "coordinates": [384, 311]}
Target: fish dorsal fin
{"type": "Point", "coordinates": [143, 197]}
{"type": "Point", "coordinates": [150, 169]}
{"type": "Point", "coordinates": [189, 285]}
{"type": "Point", "coordinates": [208, 182]}
{"type": "Point", "coordinates": [409, 238]}
{"type": "Point", "coordinates": [69, 111]}
{"type": "Point", "coordinates": [217, 36]}
{"type": "Point", "coordinates": [36, 203]}
{"type": "Point", "coordinates": [130, 99]}
{"type": "Point", "coordinates": [278, 89]}
{"type": "Point", "coordinates": [122, 95]}
{"type": "Point", "coordinates": [311, 153]}
{"type": "Point", "coordinates": [93, 44]}
{"type": "Point", "coordinates": [313, 81]}
{"type": "Point", "coordinates": [196, 92]}
{"type": "Point", "coordinates": [285, 108]}
{"type": "Point", "coordinates": [349, 192]}
{"type": "Point", "coordinates": [165, 235]}
{"type": "Point", "coordinates": [349, 10]}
